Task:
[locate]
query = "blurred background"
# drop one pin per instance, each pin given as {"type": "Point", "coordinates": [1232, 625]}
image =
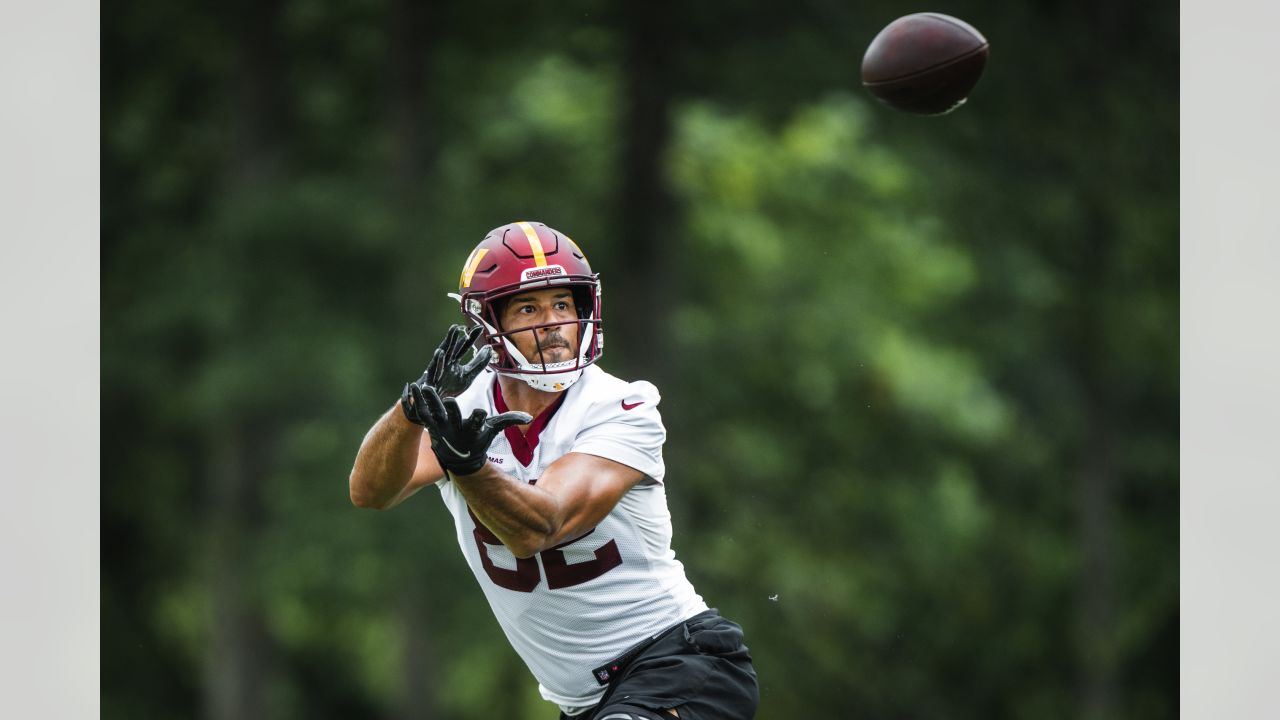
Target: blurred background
{"type": "Point", "coordinates": [919, 374]}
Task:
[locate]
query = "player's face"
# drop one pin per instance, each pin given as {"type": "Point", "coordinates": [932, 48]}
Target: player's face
{"type": "Point", "coordinates": [556, 343]}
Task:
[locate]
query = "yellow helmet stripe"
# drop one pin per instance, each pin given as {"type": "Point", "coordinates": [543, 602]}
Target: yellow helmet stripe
{"type": "Point", "coordinates": [469, 269]}
{"type": "Point", "coordinates": [535, 244]}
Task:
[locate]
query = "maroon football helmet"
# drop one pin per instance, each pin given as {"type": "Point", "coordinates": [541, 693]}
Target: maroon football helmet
{"type": "Point", "coordinates": [522, 256]}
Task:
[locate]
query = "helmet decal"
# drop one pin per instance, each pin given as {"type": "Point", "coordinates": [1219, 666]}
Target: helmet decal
{"type": "Point", "coordinates": [535, 243]}
{"type": "Point", "coordinates": [469, 269]}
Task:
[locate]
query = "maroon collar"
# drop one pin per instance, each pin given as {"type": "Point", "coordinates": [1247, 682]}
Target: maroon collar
{"type": "Point", "coordinates": [523, 445]}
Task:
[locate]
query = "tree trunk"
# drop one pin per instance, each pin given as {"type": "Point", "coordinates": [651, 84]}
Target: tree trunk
{"type": "Point", "coordinates": [1097, 480]}
{"type": "Point", "coordinates": [418, 666]}
{"type": "Point", "coordinates": [410, 36]}
{"type": "Point", "coordinates": [1096, 600]}
{"type": "Point", "coordinates": [260, 118]}
{"type": "Point", "coordinates": [641, 297]}
{"type": "Point", "coordinates": [237, 661]}
{"type": "Point", "coordinates": [410, 29]}
{"type": "Point", "coordinates": [240, 658]}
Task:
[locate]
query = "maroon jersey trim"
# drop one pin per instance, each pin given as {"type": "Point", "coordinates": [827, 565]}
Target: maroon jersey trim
{"type": "Point", "coordinates": [523, 445]}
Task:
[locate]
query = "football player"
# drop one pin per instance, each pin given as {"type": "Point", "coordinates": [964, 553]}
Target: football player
{"type": "Point", "coordinates": [552, 469]}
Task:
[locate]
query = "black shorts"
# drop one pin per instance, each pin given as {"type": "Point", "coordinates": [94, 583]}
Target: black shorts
{"type": "Point", "coordinates": [700, 667]}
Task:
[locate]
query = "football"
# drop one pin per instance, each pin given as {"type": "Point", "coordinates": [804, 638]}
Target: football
{"type": "Point", "coordinates": [924, 63]}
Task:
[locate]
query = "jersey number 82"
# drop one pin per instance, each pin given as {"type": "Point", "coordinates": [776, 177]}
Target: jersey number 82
{"type": "Point", "coordinates": [560, 572]}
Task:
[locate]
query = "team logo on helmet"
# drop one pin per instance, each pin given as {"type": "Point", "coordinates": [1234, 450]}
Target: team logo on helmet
{"type": "Point", "coordinates": [537, 273]}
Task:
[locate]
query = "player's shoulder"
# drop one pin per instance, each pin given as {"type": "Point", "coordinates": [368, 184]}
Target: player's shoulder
{"type": "Point", "coordinates": [600, 387]}
{"type": "Point", "coordinates": [602, 398]}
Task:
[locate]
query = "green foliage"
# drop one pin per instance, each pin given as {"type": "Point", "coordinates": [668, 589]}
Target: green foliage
{"type": "Point", "coordinates": [821, 300]}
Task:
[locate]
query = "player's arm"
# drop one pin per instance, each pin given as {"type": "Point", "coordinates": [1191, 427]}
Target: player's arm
{"type": "Point", "coordinates": [394, 462]}
{"type": "Point", "coordinates": [573, 495]}
{"type": "Point", "coordinates": [395, 459]}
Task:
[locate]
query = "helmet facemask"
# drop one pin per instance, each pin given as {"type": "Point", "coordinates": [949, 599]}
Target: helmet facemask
{"type": "Point", "coordinates": [484, 309]}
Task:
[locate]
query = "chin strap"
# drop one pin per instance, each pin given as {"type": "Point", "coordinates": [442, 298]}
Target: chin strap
{"type": "Point", "coordinates": [550, 382]}
{"type": "Point", "coordinates": [546, 382]}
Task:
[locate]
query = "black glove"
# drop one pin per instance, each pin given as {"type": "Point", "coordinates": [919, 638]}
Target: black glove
{"type": "Point", "coordinates": [459, 444]}
{"type": "Point", "coordinates": [444, 373]}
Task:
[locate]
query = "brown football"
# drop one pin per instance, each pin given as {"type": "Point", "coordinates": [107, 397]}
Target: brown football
{"type": "Point", "coordinates": [924, 63]}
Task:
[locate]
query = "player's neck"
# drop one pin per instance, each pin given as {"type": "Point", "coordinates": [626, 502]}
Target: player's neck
{"type": "Point", "coordinates": [519, 396]}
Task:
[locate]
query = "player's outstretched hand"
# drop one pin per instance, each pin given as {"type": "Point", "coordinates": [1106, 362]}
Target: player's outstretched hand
{"type": "Point", "coordinates": [459, 444]}
{"type": "Point", "coordinates": [445, 372]}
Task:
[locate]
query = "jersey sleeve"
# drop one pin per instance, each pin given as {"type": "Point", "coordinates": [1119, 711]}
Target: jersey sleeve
{"type": "Point", "coordinates": [626, 427]}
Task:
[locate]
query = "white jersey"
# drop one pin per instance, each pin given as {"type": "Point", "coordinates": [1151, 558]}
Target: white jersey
{"type": "Point", "coordinates": [571, 609]}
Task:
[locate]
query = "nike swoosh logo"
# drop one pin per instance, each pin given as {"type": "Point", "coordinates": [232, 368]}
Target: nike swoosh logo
{"type": "Point", "coordinates": [625, 406]}
{"type": "Point", "coordinates": [461, 455]}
